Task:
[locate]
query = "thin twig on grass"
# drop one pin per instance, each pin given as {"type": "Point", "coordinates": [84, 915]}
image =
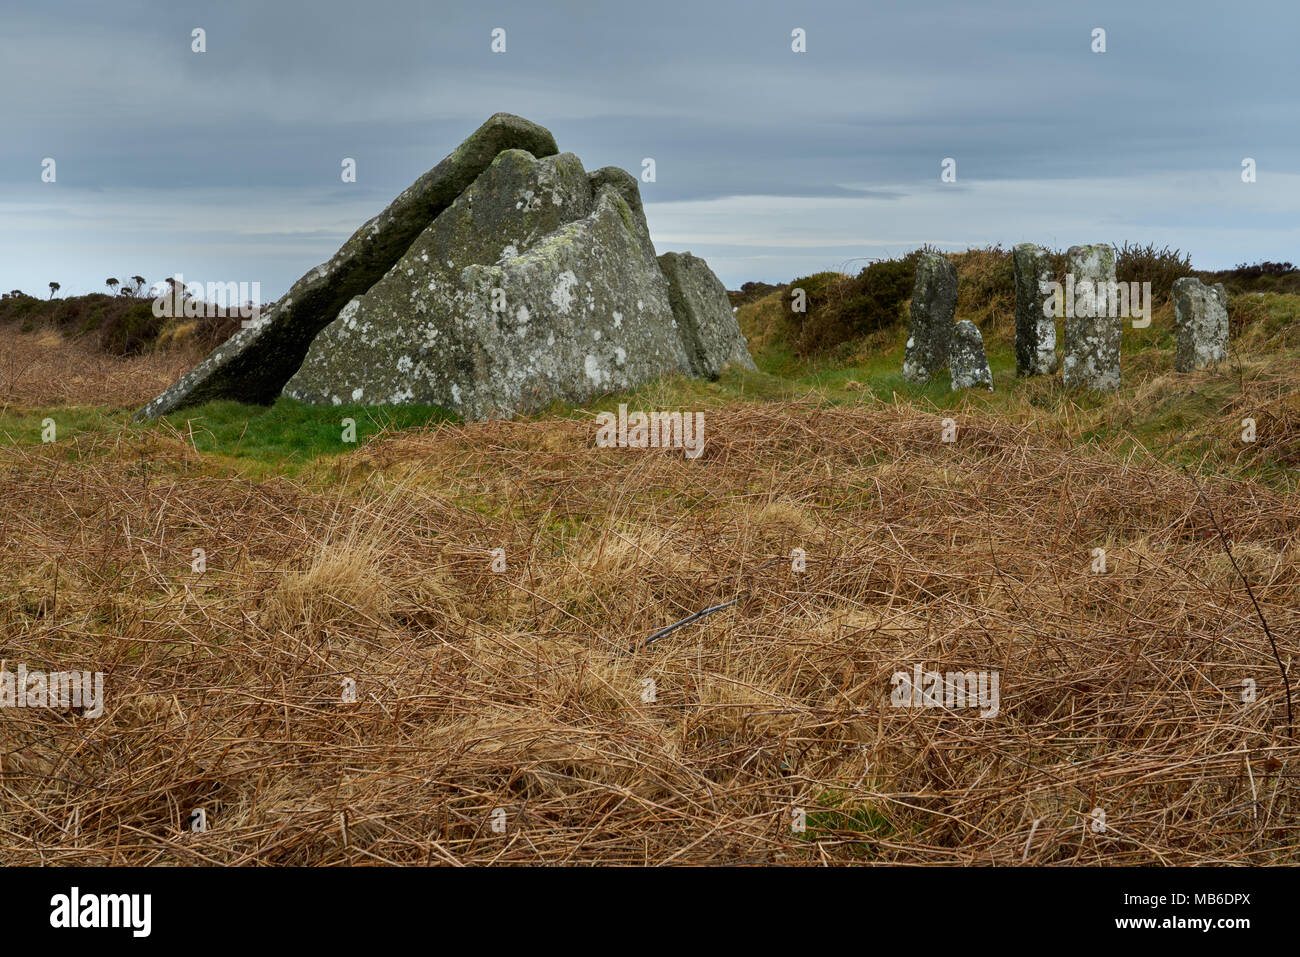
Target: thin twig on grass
{"type": "Point", "coordinates": [1286, 683]}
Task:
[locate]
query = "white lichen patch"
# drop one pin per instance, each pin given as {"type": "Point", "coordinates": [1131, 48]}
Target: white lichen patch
{"type": "Point", "coordinates": [562, 294]}
{"type": "Point", "coordinates": [592, 367]}
{"type": "Point", "coordinates": [357, 394]}
{"type": "Point", "coordinates": [349, 313]}
{"type": "Point", "coordinates": [618, 319]}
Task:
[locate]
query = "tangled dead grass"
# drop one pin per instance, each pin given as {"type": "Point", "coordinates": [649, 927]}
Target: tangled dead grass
{"type": "Point", "coordinates": [44, 368]}
{"type": "Point", "coordinates": [522, 698]}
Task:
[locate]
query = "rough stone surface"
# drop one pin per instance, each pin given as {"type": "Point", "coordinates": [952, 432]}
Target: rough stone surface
{"type": "Point", "coordinates": [1092, 336]}
{"type": "Point", "coordinates": [967, 362]}
{"type": "Point", "coordinates": [704, 317]}
{"type": "Point", "coordinates": [504, 279]}
{"type": "Point", "coordinates": [1035, 330]}
{"type": "Point", "coordinates": [934, 304]}
{"type": "Point", "coordinates": [1201, 324]}
{"type": "Point", "coordinates": [531, 287]}
{"type": "Point", "coordinates": [253, 365]}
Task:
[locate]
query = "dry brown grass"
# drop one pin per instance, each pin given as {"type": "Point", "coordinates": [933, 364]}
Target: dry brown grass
{"type": "Point", "coordinates": [519, 690]}
{"type": "Point", "coordinates": [45, 368]}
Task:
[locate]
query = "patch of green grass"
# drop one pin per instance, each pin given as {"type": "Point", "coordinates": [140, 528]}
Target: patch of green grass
{"type": "Point", "coordinates": [282, 437]}
{"type": "Point", "coordinates": [289, 433]}
{"type": "Point", "coordinates": [835, 819]}
{"type": "Point", "coordinates": [26, 426]}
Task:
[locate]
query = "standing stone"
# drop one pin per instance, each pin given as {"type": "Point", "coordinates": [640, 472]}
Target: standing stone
{"type": "Point", "coordinates": [254, 364]}
{"type": "Point", "coordinates": [1092, 334]}
{"type": "Point", "coordinates": [967, 362]}
{"type": "Point", "coordinates": [934, 305]}
{"type": "Point", "coordinates": [703, 315]}
{"type": "Point", "coordinates": [1201, 322]}
{"type": "Point", "coordinates": [1035, 328]}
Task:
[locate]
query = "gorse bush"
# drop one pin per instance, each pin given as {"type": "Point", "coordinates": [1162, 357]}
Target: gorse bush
{"type": "Point", "coordinates": [843, 308]}
{"type": "Point", "coordinates": [130, 331]}
{"type": "Point", "coordinates": [751, 291]}
{"type": "Point", "coordinates": [1160, 267]}
{"type": "Point", "coordinates": [986, 287]}
{"type": "Point", "coordinates": [1243, 271]}
{"type": "Point", "coordinates": [1264, 276]}
{"type": "Point", "coordinates": [123, 324]}
{"type": "Point", "coordinates": [875, 296]}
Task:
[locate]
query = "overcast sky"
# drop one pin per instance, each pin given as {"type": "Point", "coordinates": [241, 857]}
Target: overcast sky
{"type": "Point", "coordinates": [225, 165]}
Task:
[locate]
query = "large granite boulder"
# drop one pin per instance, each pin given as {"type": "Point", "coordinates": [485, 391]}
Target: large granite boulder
{"type": "Point", "coordinates": [532, 287]}
{"type": "Point", "coordinates": [934, 307]}
{"type": "Point", "coordinates": [524, 280]}
{"type": "Point", "coordinates": [254, 363]}
{"type": "Point", "coordinates": [703, 314]}
{"type": "Point", "coordinates": [1200, 323]}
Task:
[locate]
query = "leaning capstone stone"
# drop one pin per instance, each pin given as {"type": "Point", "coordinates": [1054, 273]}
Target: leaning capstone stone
{"type": "Point", "coordinates": [539, 283]}
{"type": "Point", "coordinates": [1035, 326]}
{"type": "Point", "coordinates": [934, 304]}
{"type": "Point", "coordinates": [506, 279]}
{"type": "Point", "coordinates": [254, 364]}
{"type": "Point", "coordinates": [1092, 334]}
{"type": "Point", "coordinates": [966, 361]}
{"type": "Point", "coordinates": [703, 314]}
{"type": "Point", "coordinates": [1201, 323]}
{"type": "Point", "coordinates": [400, 342]}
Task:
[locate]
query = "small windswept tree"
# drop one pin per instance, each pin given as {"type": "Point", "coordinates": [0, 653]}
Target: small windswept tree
{"type": "Point", "coordinates": [139, 284]}
{"type": "Point", "coordinates": [111, 283]}
{"type": "Point", "coordinates": [54, 287]}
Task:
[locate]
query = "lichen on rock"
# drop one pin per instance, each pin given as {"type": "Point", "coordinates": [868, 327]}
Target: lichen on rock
{"type": "Point", "coordinates": [934, 305]}
{"type": "Point", "coordinates": [703, 313]}
{"type": "Point", "coordinates": [1200, 323]}
{"type": "Point", "coordinates": [967, 362]}
{"type": "Point", "coordinates": [1035, 328]}
{"type": "Point", "coordinates": [254, 364]}
{"type": "Point", "coordinates": [504, 279]}
{"type": "Point", "coordinates": [1092, 333]}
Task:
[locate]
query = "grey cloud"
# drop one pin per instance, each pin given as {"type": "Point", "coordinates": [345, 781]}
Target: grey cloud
{"type": "Point", "coordinates": [711, 91]}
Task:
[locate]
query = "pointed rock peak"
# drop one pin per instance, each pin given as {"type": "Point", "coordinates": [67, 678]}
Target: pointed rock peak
{"type": "Point", "coordinates": [255, 363]}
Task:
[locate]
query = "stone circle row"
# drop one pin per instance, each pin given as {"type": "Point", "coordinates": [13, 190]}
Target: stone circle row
{"type": "Point", "coordinates": [1092, 304]}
